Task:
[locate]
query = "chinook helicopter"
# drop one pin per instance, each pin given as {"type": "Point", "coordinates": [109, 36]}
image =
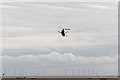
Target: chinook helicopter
{"type": "Point", "coordinates": [63, 32]}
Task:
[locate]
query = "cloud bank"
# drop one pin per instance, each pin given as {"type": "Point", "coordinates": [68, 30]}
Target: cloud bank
{"type": "Point", "coordinates": [56, 61]}
{"type": "Point", "coordinates": [56, 57]}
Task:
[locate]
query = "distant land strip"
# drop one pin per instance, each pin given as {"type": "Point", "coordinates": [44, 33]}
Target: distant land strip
{"type": "Point", "coordinates": [60, 78]}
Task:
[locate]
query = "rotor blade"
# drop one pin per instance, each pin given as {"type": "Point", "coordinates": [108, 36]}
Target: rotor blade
{"type": "Point", "coordinates": [67, 29]}
{"type": "Point", "coordinates": [59, 31]}
{"type": "Point", "coordinates": [66, 32]}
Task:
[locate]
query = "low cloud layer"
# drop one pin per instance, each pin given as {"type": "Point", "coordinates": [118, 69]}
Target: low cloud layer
{"type": "Point", "coordinates": [56, 61]}
{"type": "Point", "coordinates": [55, 57]}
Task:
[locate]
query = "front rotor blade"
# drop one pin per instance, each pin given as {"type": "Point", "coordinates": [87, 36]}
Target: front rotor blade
{"type": "Point", "coordinates": [67, 29]}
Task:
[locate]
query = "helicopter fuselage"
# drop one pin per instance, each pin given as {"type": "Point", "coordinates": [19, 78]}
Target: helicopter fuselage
{"type": "Point", "coordinates": [63, 33]}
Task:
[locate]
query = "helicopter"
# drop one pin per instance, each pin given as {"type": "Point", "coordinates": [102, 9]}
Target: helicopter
{"type": "Point", "coordinates": [63, 32]}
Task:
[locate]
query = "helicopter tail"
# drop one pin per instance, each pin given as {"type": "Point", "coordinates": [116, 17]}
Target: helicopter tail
{"type": "Point", "coordinates": [59, 32]}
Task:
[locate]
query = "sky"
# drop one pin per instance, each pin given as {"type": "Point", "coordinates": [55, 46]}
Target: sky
{"type": "Point", "coordinates": [59, 0]}
{"type": "Point", "coordinates": [33, 46]}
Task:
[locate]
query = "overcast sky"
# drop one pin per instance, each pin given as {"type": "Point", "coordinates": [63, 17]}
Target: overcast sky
{"type": "Point", "coordinates": [59, 0]}
{"type": "Point", "coordinates": [31, 41]}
